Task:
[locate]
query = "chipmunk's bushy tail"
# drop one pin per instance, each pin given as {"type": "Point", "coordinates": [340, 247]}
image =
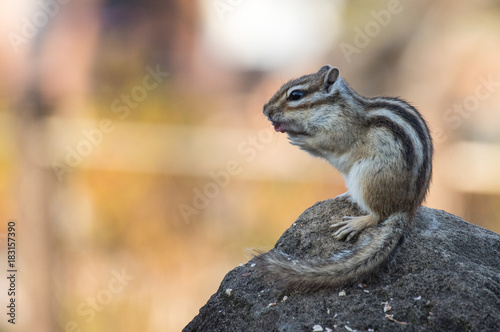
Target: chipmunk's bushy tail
{"type": "Point", "coordinates": [310, 275]}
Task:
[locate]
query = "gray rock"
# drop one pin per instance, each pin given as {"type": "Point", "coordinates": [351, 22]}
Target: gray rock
{"type": "Point", "coordinates": [445, 276]}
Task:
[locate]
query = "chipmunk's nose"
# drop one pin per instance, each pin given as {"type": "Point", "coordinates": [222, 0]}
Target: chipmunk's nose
{"type": "Point", "coordinates": [268, 110]}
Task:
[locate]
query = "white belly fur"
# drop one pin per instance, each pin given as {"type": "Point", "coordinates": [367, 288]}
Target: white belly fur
{"type": "Point", "coordinates": [353, 181]}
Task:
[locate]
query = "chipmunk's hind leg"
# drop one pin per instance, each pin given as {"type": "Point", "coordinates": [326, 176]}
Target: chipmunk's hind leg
{"type": "Point", "coordinates": [351, 226]}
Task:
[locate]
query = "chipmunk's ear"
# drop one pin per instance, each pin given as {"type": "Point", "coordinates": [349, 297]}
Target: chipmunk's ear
{"type": "Point", "coordinates": [331, 76]}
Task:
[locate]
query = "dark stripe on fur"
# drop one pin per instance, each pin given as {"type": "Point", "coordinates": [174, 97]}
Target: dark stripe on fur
{"type": "Point", "coordinates": [416, 121]}
{"type": "Point", "coordinates": [336, 98]}
{"type": "Point", "coordinates": [400, 134]}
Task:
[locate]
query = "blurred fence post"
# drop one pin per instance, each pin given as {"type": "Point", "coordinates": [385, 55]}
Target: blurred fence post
{"type": "Point", "coordinates": [35, 186]}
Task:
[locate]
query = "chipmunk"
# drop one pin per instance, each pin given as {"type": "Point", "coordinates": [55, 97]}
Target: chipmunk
{"type": "Point", "coordinates": [382, 147]}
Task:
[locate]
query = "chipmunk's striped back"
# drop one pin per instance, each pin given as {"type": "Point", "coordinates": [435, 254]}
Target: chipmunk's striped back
{"type": "Point", "coordinates": [406, 124]}
{"type": "Point", "coordinates": [383, 148]}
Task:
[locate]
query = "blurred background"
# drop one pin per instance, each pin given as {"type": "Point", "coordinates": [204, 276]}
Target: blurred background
{"type": "Point", "coordinates": [137, 165]}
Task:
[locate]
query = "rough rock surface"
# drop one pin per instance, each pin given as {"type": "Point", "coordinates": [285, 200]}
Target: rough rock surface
{"type": "Point", "coordinates": [444, 277]}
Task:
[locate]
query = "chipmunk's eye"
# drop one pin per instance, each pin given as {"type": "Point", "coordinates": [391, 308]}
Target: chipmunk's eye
{"type": "Point", "coordinates": [296, 95]}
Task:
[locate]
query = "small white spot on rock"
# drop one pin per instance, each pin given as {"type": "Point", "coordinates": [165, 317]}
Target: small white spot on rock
{"type": "Point", "coordinates": [317, 328]}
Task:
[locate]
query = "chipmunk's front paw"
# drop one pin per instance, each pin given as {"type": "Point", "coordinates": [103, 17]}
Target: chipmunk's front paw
{"type": "Point", "coordinates": [345, 197]}
{"type": "Point", "coordinates": [345, 228]}
{"type": "Point", "coordinates": [351, 226]}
